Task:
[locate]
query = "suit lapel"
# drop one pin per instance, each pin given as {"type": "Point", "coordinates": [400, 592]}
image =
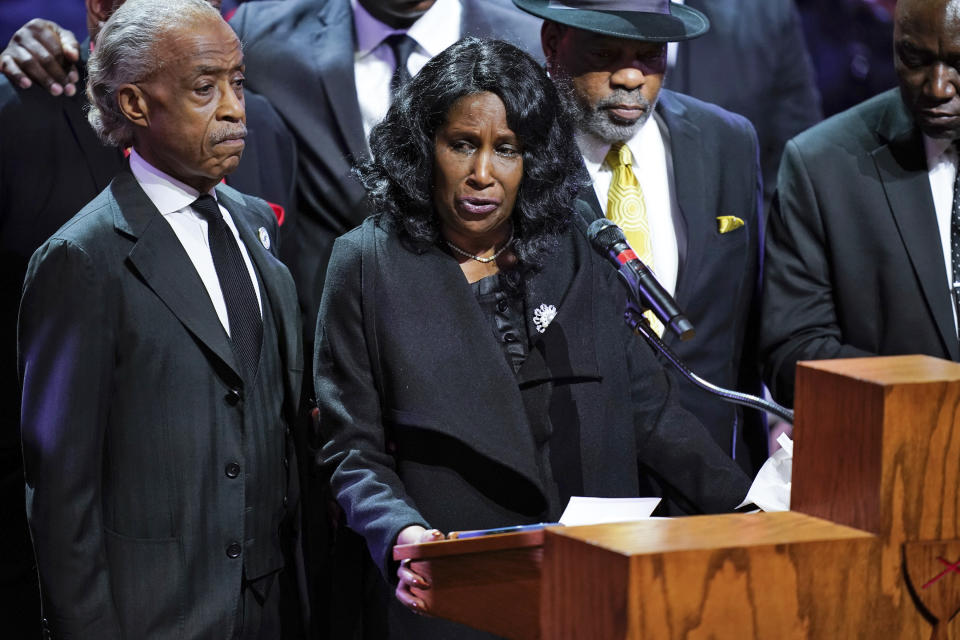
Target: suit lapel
{"type": "Point", "coordinates": [566, 348]}
{"type": "Point", "coordinates": [690, 188]}
{"type": "Point", "coordinates": [164, 265]}
{"type": "Point", "coordinates": [588, 195]}
{"type": "Point", "coordinates": [902, 165]}
{"type": "Point", "coordinates": [335, 67]}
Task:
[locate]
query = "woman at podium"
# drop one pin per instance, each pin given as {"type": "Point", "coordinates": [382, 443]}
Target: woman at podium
{"type": "Point", "coordinates": [473, 369]}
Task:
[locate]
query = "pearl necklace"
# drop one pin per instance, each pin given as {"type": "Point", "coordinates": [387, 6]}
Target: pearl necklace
{"type": "Point", "coordinates": [478, 258]}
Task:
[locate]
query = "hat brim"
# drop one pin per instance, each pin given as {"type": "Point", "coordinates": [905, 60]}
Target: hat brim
{"type": "Point", "coordinates": [682, 23]}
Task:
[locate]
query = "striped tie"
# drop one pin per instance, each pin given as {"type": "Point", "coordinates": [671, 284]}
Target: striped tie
{"type": "Point", "coordinates": [243, 311]}
{"type": "Point", "coordinates": [626, 208]}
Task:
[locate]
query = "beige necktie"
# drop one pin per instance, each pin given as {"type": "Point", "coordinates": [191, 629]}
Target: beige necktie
{"type": "Point", "coordinates": [626, 208]}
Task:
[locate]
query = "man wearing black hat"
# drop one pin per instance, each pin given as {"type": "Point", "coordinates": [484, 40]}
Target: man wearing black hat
{"type": "Point", "coordinates": [679, 175]}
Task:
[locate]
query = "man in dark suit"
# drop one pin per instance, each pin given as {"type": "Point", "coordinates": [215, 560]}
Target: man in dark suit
{"type": "Point", "coordinates": [697, 168]}
{"type": "Point", "coordinates": [753, 61]}
{"type": "Point", "coordinates": [862, 255]}
{"type": "Point", "coordinates": [160, 357]}
{"type": "Point", "coordinates": [51, 164]}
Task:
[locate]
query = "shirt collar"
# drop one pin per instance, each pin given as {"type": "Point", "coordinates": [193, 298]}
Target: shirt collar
{"type": "Point", "coordinates": [595, 150]}
{"type": "Point", "coordinates": [936, 150]}
{"type": "Point", "coordinates": [167, 194]}
{"type": "Point", "coordinates": [433, 32]}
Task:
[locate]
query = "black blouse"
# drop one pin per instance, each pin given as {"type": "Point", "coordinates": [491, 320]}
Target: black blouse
{"type": "Point", "coordinates": [505, 314]}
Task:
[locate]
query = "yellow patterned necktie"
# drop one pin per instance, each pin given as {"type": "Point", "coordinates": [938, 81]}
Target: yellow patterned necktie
{"type": "Point", "coordinates": [627, 209]}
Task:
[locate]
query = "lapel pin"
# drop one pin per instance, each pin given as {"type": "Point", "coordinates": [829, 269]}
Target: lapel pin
{"type": "Point", "coordinates": [543, 316]}
{"type": "Point", "coordinates": [264, 237]}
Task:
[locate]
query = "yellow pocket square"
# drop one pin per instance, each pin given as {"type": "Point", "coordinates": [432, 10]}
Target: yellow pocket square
{"type": "Point", "coordinates": [725, 224]}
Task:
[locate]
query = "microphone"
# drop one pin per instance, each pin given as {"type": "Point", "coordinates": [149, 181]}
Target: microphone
{"type": "Point", "coordinates": [610, 242]}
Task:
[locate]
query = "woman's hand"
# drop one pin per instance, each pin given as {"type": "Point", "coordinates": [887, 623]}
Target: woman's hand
{"type": "Point", "coordinates": [408, 577]}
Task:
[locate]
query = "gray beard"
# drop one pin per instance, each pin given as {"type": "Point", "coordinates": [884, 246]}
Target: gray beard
{"type": "Point", "coordinates": [595, 119]}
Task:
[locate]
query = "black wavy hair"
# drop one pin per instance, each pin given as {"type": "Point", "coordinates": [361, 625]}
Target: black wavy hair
{"type": "Point", "coordinates": [399, 179]}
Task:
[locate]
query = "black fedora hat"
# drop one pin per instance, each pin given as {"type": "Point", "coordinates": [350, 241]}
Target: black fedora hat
{"type": "Point", "coordinates": [646, 20]}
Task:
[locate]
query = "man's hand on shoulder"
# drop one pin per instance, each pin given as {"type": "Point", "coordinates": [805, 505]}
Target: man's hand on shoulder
{"type": "Point", "coordinates": [44, 53]}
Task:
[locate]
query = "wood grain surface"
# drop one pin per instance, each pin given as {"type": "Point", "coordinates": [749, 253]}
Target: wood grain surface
{"type": "Point", "coordinates": [877, 446]}
{"type": "Point", "coordinates": [742, 577]}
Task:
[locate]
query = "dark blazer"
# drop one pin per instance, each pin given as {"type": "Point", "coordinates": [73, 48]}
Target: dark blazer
{"type": "Point", "coordinates": [854, 265]}
{"type": "Point", "coordinates": [131, 414]}
{"type": "Point", "coordinates": [753, 61]}
{"type": "Point", "coordinates": [715, 174]}
{"type": "Point", "coordinates": [430, 425]}
{"type": "Point", "coordinates": [299, 53]}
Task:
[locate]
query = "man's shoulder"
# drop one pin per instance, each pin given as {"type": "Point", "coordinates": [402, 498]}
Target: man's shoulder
{"type": "Point", "coordinates": [32, 106]}
{"type": "Point", "coordinates": [705, 115]}
{"type": "Point", "coordinates": [254, 210]}
{"type": "Point", "coordinates": [275, 20]}
{"type": "Point", "coordinates": [857, 127]}
{"type": "Point", "coordinates": [763, 16]}
{"type": "Point", "coordinates": [91, 226]}
{"type": "Point", "coordinates": [502, 20]}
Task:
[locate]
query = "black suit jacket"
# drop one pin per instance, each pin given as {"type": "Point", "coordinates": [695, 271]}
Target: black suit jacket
{"type": "Point", "coordinates": [715, 173]}
{"type": "Point", "coordinates": [300, 53]}
{"type": "Point", "coordinates": [129, 418]}
{"type": "Point", "coordinates": [854, 263]}
{"type": "Point", "coordinates": [754, 62]}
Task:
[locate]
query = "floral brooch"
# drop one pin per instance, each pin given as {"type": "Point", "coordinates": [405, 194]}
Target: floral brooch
{"type": "Point", "coordinates": [543, 316]}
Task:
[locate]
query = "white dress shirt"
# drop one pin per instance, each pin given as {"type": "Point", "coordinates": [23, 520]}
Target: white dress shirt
{"type": "Point", "coordinates": [373, 62]}
{"type": "Point", "coordinates": [173, 199]}
{"type": "Point", "coordinates": [653, 167]}
{"type": "Point", "coordinates": [942, 169]}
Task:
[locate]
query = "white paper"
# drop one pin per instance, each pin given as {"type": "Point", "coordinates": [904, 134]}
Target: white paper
{"type": "Point", "coordinates": [581, 510]}
{"type": "Point", "coordinates": [771, 488]}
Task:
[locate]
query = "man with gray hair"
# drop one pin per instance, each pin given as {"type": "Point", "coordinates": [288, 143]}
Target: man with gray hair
{"type": "Point", "coordinates": [160, 358]}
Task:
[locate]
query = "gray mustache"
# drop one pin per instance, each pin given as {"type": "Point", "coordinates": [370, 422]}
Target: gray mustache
{"type": "Point", "coordinates": [623, 97]}
{"type": "Point", "coordinates": [238, 131]}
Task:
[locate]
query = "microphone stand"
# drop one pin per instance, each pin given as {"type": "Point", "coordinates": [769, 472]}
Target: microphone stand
{"type": "Point", "coordinates": [635, 320]}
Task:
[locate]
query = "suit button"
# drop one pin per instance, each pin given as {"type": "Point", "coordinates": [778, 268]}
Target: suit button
{"type": "Point", "coordinates": [502, 306]}
{"type": "Point", "coordinates": [234, 549]}
{"type": "Point", "coordinates": [233, 397]}
{"type": "Point", "coordinates": [232, 470]}
{"type": "Point", "coordinates": [286, 462]}
{"type": "Point", "coordinates": [285, 501]}
{"type": "Point", "coordinates": [509, 337]}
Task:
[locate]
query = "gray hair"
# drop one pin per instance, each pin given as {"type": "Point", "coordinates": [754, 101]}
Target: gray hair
{"type": "Point", "coordinates": [126, 52]}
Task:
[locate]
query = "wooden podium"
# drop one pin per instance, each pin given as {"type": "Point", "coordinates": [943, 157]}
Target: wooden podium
{"type": "Point", "coordinates": [870, 549]}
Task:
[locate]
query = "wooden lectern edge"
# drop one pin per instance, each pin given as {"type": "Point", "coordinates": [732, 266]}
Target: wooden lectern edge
{"type": "Point", "coordinates": [654, 536]}
{"type": "Point", "coordinates": [888, 370]}
{"type": "Point", "coordinates": [443, 548]}
{"type": "Point", "coordinates": [710, 532]}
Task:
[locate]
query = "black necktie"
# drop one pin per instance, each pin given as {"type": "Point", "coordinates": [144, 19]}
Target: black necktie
{"type": "Point", "coordinates": [243, 311]}
{"type": "Point", "coordinates": [402, 46]}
